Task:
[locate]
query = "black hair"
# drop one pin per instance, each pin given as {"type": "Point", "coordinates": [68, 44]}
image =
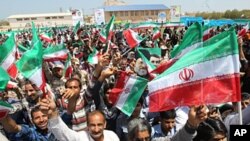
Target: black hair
{"type": "Point", "coordinates": [33, 110]}
{"type": "Point", "coordinates": [73, 79]}
{"type": "Point", "coordinates": [169, 114]}
{"type": "Point", "coordinates": [209, 128]}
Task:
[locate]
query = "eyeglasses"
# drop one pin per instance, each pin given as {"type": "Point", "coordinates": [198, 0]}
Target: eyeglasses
{"type": "Point", "coordinates": [143, 139]}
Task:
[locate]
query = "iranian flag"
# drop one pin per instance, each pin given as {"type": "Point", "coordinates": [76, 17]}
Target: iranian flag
{"type": "Point", "coordinates": [208, 75]}
{"type": "Point", "coordinates": [77, 27]}
{"type": "Point", "coordinates": [44, 36]}
{"type": "Point", "coordinates": [156, 33]}
{"type": "Point", "coordinates": [55, 53]}
{"type": "Point", "coordinates": [5, 108]}
{"type": "Point", "coordinates": [93, 57]}
{"type": "Point", "coordinates": [30, 64]}
{"type": "Point", "coordinates": [132, 38]}
{"type": "Point", "coordinates": [115, 92]}
{"type": "Point", "coordinates": [131, 94]}
{"type": "Point", "coordinates": [103, 36]}
{"type": "Point", "coordinates": [207, 32]}
{"type": "Point", "coordinates": [68, 67]}
{"type": "Point", "coordinates": [244, 30]}
{"type": "Point", "coordinates": [8, 56]}
{"type": "Point", "coordinates": [109, 27]}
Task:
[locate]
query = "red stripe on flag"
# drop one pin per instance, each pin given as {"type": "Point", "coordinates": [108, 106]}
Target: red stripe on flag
{"type": "Point", "coordinates": [57, 58]}
{"type": "Point", "coordinates": [12, 71]}
{"type": "Point", "coordinates": [215, 90]}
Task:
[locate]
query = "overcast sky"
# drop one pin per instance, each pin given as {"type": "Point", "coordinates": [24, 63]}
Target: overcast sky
{"type": "Point", "coordinates": [11, 7]}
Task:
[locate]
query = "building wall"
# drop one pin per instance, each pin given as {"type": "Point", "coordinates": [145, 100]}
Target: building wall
{"type": "Point", "coordinates": [22, 22]}
{"type": "Point", "coordinates": [135, 16]}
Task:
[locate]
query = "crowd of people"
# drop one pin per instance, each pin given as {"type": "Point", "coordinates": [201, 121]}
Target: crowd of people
{"type": "Point", "coordinates": [80, 108]}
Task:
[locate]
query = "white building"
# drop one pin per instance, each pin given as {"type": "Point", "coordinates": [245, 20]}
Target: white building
{"type": "Point", "coordinates": [41, 20]}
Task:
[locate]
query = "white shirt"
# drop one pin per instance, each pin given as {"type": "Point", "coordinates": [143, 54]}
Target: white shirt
{"type": "Point", "coordinates": [63, 133]}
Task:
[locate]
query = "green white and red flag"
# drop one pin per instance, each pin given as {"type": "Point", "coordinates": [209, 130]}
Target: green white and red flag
{"type": "Point", "coordinates": [109, 27]}
{"type": "Point", "coordinates": [131, 94]}
{"type": "Point", "coordinates": [55, 53]}
{"type": "Point", "coordinates": [44, 36]}
{"type": "Point", "coordinates": [132, 38]}
{"type": "Point", "coordinates": [103, 36]}
{"type": "Point", "coordinates": [207, 32]}
{"type": "Point", "coordinates": [5, 108]}
{"type": "Point", "coordinates": [93, 57]}
{"type": "Point", "coordinates": [244, 30]}
{"type": "Point", "coordinates": [30, 64]}
{"type": "Point", "coordinates": [156, 33]}
{"type": "Point", "coordinates": [207, 75]}
{"type": "Point", "coordinates": [68, 67]}
{"type": "Point", "coordinates": [8, 56]}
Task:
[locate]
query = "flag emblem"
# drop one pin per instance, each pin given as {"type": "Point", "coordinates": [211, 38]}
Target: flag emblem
{"type": "Point", "coordinates": [186, 74]}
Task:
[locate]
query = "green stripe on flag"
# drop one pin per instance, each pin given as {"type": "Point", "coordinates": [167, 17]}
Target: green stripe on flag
{"type": "Point", "coordinates": [6, 48]}
{"type": "Point", "coordinates": [221, 45]}
{"type": "Point", "coordinates": [192, 36]}
{"type": "Point", "coordinates": [4, 79]}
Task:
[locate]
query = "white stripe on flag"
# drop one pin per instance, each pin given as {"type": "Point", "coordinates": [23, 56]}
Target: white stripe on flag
{"type": "Point", "coordinates": [8, 61]}
{"type": "Point", "coordinates": [125, 93]}
{"type": "Point", "coordinates": [37, 78]}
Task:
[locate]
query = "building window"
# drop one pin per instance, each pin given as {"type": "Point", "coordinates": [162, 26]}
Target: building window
{"type": "Point", "coordinates": [19, 19]}
{"type": "Point", "coordinates": [132, 13]}
{"type": "Point", "coordinates": [152, 12]}
{"type": "Point", "coordinates": [142, 13]}
{"type": "Point", "coordinates": [61, 17]}
{"type": "Point", "coordinates": [126, 13]}
{"type": "Point", "coordinates": [111, 14]}
{"type": "Point", "coordinates": [156, 12]}
{"type": "Point", "coordinates": [116, 14]}
{"type": "Point", "coordinates": [33, 18]}
{"type": "Point", "coordinates": [26, 19]}
{"type": "Point", "coordinates": [47, 18]}
{"type": "Point", "coordinates": [54, 17]}
{"type": "Point", "coordinates": [146, 13]}
{"type": "Point", "coordinates": [121, 13]}
{"type": "Point", "coordinates": [136, 13]}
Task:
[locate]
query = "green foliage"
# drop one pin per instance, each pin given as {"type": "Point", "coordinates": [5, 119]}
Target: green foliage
{"type": "Point", "coordinates": [229, 14]}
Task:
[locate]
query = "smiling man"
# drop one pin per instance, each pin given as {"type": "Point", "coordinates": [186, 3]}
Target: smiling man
{"type": "Point", "coordinates": [24, 132]}
{"type": "Point", "coordinates": [96, 124]}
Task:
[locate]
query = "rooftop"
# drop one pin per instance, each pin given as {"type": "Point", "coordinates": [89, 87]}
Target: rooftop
{"type": "Point", "coordinates": [135, 7]}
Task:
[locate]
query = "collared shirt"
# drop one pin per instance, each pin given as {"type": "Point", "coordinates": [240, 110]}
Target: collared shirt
{"type": "Point", "coordinates": [31, 134]}
{"type": "Point", "coordinates": [157, 131]}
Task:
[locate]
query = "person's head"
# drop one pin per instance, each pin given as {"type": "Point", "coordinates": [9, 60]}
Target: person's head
{"type": "Point", "coordinates": [31, 92]}
{"type": "Point", "coordinates": [139, 130]}
{"type": "Point", "coordinates": [211, 130]}
{"type": "Point", "coordinates": [123, 64]}
{"type": "Point", "coordinates": [57, 69]}
{"type": "Point", "coordinates": [74, 84]}
{"type": "Point", "coordinates": [245, 101]}
{"type": "Point", "coordinates": [39, 119]}
{"type": "Point", "coordinates": [167, 120]}
{"type": "Point", "coordinates": [140, 67]}
{"type": "Point", "coordinates": [155, 59]}
{"type": "Point", "coordinates": [96, 123]}
{"type": "Point", "coordinates": [75, 63]}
